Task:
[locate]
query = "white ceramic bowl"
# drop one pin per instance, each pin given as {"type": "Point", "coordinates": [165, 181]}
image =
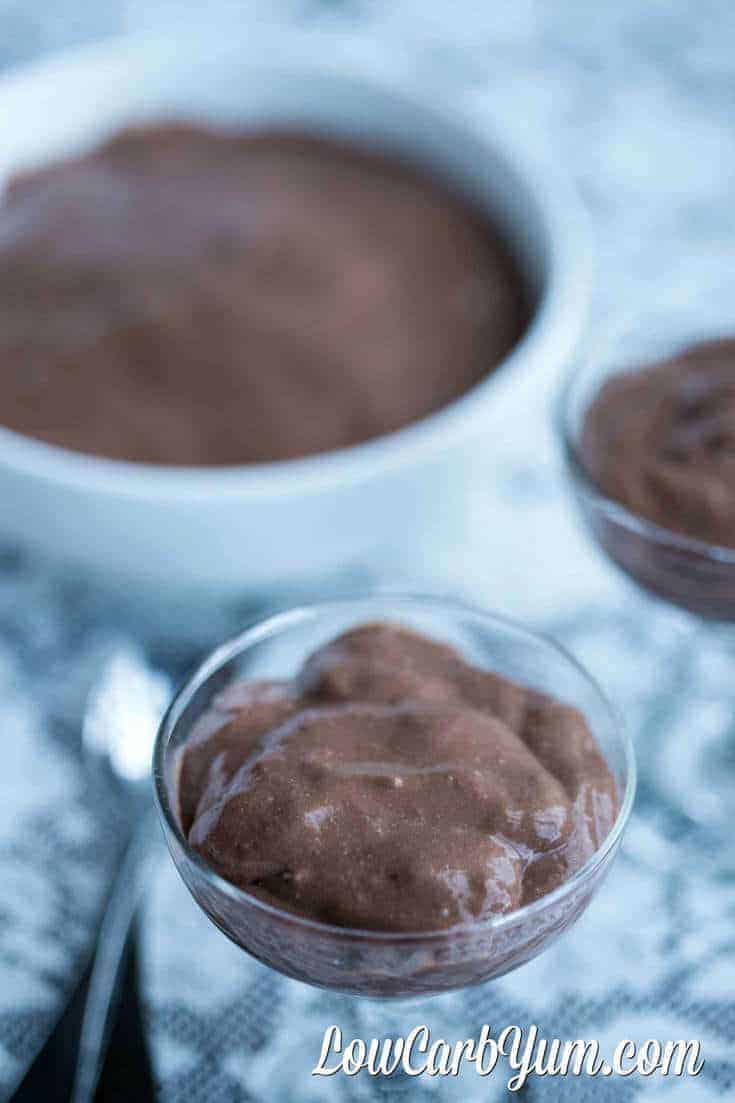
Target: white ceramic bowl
{"type": "Point", "coordinates": [259, 528]}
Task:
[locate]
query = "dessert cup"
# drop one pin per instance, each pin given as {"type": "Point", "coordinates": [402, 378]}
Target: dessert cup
{"type": "Point", "coordinates": [685, 572]}
{"type": "Point", "coordinates": [690, 573]}
{"type": "Point", "coordinates": [376, 963]}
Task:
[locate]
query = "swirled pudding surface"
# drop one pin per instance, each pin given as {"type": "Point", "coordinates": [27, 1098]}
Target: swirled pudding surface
{"type": "Point", "coordinates": [661, 440]}
{"type": "Point", "coordinates": [392, 786]}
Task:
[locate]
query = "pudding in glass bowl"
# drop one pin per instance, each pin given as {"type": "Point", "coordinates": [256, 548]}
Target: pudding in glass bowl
{"type": "Point", "coordinates": [647, 424]}
{"type": "Point", "coordinates": [392, 797]}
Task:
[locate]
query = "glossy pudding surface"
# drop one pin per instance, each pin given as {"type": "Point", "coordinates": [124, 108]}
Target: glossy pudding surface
{"type": "Point", "coordinates": [392, 786]}
{"type": "Point", "coordinates": [661, 441]}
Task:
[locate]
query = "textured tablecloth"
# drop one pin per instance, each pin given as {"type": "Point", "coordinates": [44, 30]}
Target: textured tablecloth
{"type": "Point", "coordinates": [60, 823]}
{"type": "Point", "coordinates": [636, 102]}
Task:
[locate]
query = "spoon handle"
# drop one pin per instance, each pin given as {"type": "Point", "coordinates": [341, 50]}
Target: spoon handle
{"type": "Point", "coordinates": [103, 994]}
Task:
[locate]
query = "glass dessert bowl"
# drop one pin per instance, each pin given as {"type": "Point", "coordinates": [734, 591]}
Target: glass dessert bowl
{"type": "Point", "coordinates": [693, 573]}
{"type": "Point", "coordinates": [389, 963]}
{"type": "Point", "coordinates": [682, 562]}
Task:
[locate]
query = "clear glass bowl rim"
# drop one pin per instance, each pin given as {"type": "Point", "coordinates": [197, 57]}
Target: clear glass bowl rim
{"type": "Point", "coordinates": [616, 511]}
{"type": "Point", "coordinates": [280, 621]}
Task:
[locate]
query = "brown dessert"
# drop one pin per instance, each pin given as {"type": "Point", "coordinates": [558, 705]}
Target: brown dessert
{"type": "Point", "coordinates": [392, 786]}
{"type": "Point", "coordinates": [661, 441]}
{"type": "Point", "coordinates": [185, 296]}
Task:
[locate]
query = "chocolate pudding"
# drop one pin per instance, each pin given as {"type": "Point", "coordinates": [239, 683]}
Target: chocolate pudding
{"type": "Point", "coordinates": [186, 296]}
{"type": "Point", "coordinates": [392, 786]}
{"type": "Point", "coordinates": [661, 441]}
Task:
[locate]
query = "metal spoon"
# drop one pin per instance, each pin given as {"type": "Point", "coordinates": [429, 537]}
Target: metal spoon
{"type": "Point", "coordinates": [120, 722]}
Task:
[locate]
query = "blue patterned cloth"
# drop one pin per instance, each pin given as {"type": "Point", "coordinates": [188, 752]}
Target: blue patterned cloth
{"type": "Point", "coordinates": [635, 101]}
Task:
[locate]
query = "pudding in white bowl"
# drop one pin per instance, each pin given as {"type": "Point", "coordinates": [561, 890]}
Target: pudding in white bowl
{"type": "Point", "coordinates": [260, 374]}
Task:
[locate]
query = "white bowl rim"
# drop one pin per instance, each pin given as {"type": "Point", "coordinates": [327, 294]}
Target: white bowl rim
{"type": "Point", "coordinates": [559, 315]}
